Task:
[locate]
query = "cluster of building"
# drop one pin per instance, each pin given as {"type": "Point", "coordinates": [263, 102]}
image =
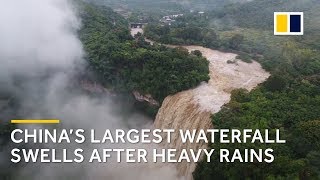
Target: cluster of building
{"type": "Point", "coordinates": [170, 18]}
{"type": "Point", "coordinates": [165, 20]}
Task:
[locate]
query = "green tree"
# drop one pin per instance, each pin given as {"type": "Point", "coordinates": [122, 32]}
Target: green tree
{"type": "Point", "coordinates": [197, 53]}
{"type": "Point", "coordinates": [236, 41]}
{"type": "Point", "coordinates": [276, 83]}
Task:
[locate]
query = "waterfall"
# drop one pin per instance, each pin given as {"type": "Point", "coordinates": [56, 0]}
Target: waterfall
{"type": "Point", "coordinates": [192, 109]}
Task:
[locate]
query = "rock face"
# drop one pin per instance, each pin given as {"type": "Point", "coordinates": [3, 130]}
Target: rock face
{"type": "Point", "coordinates": [192, 109]}
{"type": "Point", "coordinates": [145, 98]}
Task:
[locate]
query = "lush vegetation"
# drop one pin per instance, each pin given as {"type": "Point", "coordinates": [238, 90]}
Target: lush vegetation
{"type": "Point", "coordinates": [289, 100]}
{"type": "Point", "coordinates": [294, 109]}
{"type": "Point", "coordinates": [191, 35]}
{"type": "Point", "coordinates": [126, 64]}
{"type": "Point", "coordinates": [195, 29]}
{"type": "Point", "coordinates": [153, 6]}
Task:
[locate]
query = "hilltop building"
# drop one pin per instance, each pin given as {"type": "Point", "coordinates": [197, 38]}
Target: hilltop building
{"type": "Point", "coordinates": [170, 18]}
{"type": "Point", "coordinates": [137, 25]}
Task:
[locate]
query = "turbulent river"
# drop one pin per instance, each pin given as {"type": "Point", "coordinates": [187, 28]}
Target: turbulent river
{"type": "Point", "coordinates": [191, 109]}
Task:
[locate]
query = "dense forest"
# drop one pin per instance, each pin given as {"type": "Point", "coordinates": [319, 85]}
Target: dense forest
{"type": "Point", "coordinates": [245, 28]}
{"type": "Point", "coordinates": [182, 34]}
{"type": "Point", "coordinates": [195, 29]}
{"type": "Point", "coordinates": [166, 5]}
{"type": "Point", "coordinates": [289, 100]}
{"type": "Point", "coordinates": [125, 64]}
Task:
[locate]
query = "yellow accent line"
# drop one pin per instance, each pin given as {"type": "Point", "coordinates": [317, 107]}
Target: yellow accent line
{"type": "Point", "coordinates": [35, 121]}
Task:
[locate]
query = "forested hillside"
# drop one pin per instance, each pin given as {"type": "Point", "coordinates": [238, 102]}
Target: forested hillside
{"type": "Point", "coordinates": [126, 64]}
{"type": "Point", "coordinates": [289, 100]}
{"type": "Point", "coordinates": [259, 13]}
{"type": "Point", "coordinates": [167, 5]}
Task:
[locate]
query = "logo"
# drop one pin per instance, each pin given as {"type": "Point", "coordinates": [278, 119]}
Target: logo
{"type": "Point", "coordinates": [288, 23]}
